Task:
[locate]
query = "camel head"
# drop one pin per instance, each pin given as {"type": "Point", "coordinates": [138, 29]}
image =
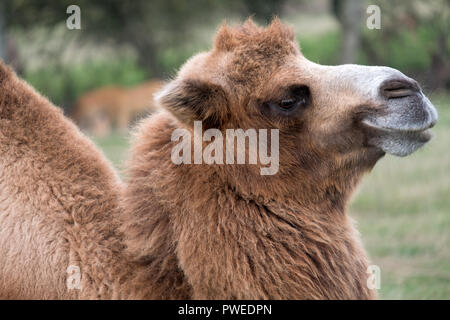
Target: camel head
{"type": "Point", "coordinates": [257, 77]}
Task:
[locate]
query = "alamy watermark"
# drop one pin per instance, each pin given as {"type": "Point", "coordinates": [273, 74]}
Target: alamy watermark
{"type": "Point", "coordinates": [374, 19]}
{"type": "Point", "coordinates": [374, 278]}
{"type": "Point", "coordinates": [73, 281]}
{"type": "Point", "coordinates": [73, 22]}
{"type": "Point", "coordinates": [231, 149]}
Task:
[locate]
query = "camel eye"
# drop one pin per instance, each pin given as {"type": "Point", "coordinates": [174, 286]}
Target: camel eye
{"type": "Point", "coordinates": [288, 103]}
{"type": "Point", "coordinates": [299, 95]}
{"type": "Point", "coordinates": [294, 100]}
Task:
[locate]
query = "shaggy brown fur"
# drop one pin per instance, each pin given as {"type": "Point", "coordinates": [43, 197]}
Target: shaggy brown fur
{"type": "Point", "coordinates": [58, 205]}
{"type": "Point", "coordinates": [192, 231]}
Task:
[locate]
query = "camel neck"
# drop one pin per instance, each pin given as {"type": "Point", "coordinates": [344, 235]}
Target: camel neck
{"type": "Point", "coordinates": [290, 230]}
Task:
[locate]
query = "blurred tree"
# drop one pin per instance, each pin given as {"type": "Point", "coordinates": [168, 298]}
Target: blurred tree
{"type": "Point", "coordinates": [262, 10]}
{"type": "Point", "coordinates": [151, 27]}
{"type": "Point", "coordinates": [2, 32]}
{"type": "Point", "coordinates": [349, 14]}
{"type": "Point", "coordinates": [414, 37]}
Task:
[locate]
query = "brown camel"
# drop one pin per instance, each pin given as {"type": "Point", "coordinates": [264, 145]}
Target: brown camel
{"type": "Point", "coordinates": [100, 110]}
{"type": "Point", "coordinates": [214, 231]}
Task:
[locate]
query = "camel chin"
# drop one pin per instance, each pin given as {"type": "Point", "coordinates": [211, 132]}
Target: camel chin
{"type": "Point", "coordinates": [404, 125]}
{"type": "Point", "coordinates": [400, 143]}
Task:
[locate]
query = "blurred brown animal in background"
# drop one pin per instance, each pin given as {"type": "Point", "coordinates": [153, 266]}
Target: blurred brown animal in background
{"type": "Point", "coordinates": [101, 110]}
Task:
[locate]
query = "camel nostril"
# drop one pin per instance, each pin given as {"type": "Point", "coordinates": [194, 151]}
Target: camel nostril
{"type": "Point", "coordinates": [392, 89]}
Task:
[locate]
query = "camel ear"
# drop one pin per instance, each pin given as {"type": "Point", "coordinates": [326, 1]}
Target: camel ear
{"type": "Point", "coordinates": [195, 100]}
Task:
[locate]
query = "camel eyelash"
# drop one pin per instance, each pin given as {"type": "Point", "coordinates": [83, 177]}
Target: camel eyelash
{"type": "Point", "coordinates": [295, 96]}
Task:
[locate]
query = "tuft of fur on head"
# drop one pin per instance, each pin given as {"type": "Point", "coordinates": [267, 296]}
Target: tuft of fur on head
{"type": "Point", "coordinates": [276, 35]}
{"type": "Point", "coordinates": [208, 85]}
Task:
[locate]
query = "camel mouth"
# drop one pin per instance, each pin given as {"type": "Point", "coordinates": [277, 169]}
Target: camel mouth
{"type": "Point", "coordinates": [404, 126]}
{"type": "Point", "coordinates": [416, 128]}
{"type": "Point", "coordinates": [399, 143]}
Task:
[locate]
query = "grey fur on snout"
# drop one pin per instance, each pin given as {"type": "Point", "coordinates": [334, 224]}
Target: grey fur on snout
{"type": "Point", "coordinates": [402, 128]}
{"type": "Point", "coordinates": [400, 143]}
{"type": "Point", "coordinates": [411, 113]}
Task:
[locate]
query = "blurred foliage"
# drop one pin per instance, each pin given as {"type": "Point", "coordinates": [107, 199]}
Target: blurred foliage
{"type": "Point", "coordinates": [405, 52]}
{"type": "Point", "coordinates": [322, 48]}
{"type": "Point", "coordinates": [414, 38]}
{"type": "Point", "coordinates": [151, 27]}
{"type": "Point", "coordinates": [163, 34]}
{"type": "Point", "coordinates": [65, 84]}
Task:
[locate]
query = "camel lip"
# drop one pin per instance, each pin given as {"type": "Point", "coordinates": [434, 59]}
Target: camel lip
{"type": "Point", "coordinates": [422, 135]}
{"type": "Point", "coordinates": [419, 136]}
{"type": "Point", "coordinates": [416, 128]}
{"type": "Point", "coordinates": [398, 142]}
{"type": "Point", "coordinates": [407, 116]}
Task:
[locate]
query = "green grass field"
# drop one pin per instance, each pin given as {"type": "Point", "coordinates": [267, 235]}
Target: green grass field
{"type": "Point", "coordinates": [403, 213]}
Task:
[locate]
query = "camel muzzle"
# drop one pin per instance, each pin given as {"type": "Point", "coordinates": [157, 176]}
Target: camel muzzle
{"type": "Point", "coordinates": [403, 125]}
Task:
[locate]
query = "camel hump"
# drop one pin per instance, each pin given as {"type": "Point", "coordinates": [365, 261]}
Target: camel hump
{"type": "Point", "coordinates": [5, 71]}
{"type": "Point", "coordinates": [6, 78]}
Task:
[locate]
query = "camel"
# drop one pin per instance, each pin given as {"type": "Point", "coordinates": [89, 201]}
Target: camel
{"type": "Point", "coordinates": [205, 231]}
{"type": "Point", "coordinates": [100, 110]}
{"type": "Point", "coordinates": [59, 206]}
